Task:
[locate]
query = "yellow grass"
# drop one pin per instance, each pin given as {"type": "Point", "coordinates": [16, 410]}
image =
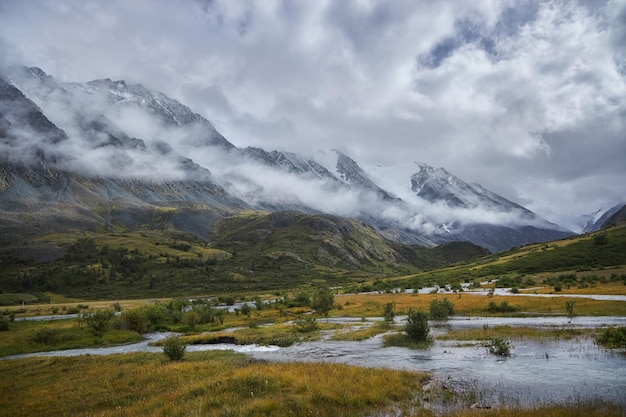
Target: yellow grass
{"type": "Point", "coordinates": [227, 384]}
{"type": "Point", "coordinates": [516, 333]}
{"type": "Point", "coordinates": [611, 288]}
{"type": "Point", "coordinates": [206, 383]}
{"type": "Point", "coordinates": [361, 333]}
{"type": "Point", "coordinates": [368, 305]}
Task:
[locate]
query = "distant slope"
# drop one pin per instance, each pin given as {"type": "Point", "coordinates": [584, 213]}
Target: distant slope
{"type": "Point", "coordinates": [603, 218]}
{"type": "Point", "coordinates": [248, 251]}
{"type": "Point", "coordinates": [618, 217]}
{"type": "Point", "coordinates": [325, 241]}
{"type": "Point", "coordinates": [599, 251]}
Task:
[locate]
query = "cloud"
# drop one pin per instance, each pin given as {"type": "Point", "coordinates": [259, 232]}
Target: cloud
{"type": "Point", "coordinates": [520, 96]}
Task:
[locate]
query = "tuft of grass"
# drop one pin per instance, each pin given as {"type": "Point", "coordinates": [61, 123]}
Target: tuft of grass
{"type": "Point", "coordinates": [498, 346]}
{"type": "Point", "coordinates": [402, 340]}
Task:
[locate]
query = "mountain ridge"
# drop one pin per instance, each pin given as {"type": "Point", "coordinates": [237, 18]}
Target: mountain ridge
{"type": "Point", "coordinates": [95, 115]}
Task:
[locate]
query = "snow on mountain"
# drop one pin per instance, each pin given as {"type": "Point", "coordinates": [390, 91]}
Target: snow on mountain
{"type": "Point", "coordinates": [170, 112]}
{"type": "Point", "coordinates": [595, 221]}
{"type": "Point", "coordinates": [122, 130]}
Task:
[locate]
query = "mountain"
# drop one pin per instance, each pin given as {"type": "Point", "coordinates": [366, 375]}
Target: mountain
{"type": "Point", "coordinates": [602, 218]}
{"type": "Point", "coordinates": [618, 217]}
{"type": "Point", "coordinates": [109, 153]}
{"type": "Point", "coordinates": [436, 185]}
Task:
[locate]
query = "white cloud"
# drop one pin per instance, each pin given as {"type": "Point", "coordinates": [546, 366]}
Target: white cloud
{"type": "Point", "coordinates": [520, 96]}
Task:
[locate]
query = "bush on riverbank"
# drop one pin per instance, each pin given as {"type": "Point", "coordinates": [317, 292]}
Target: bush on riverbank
{"type": "Point", "coordinates": [174, 348]}
{"type": "Point", "coordinates": [613, 338]}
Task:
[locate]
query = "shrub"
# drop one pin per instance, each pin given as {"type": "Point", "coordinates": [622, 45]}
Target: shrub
{"type": "Point", "coordinates": [440, 310]}
{"type": "Point", "coordinates": [135, 320]}
{"type": "Point", "coordinates": [499, 347]}
{"type": "Point", "coordinates": [417, 328]}
{"type": "Point", "coordinates": [389, 312]}
{"type": "Point", "coordinates": [47, 336]}
{"type": "Point", "coordinates": [601, 239]}
{"type": "Point", "coordinates": [155, 313]}
{"type": "Point", "coordinates": [174, 348]}
{"type": "Point", "coordinates": [569, 308]}
{"type": "Point", "coordinates": [99, 321]}
{"type": "Point", "coordinates": [246, 309]}
{"type": "Point", "coordinates": [305, 325]}
{"type": "Point", "coordinates": [4, 325]}
{"type": "Point", "coordinates": [503, 307]}
{"type": "Point", "coordinates": [191, 318]}
{"type": "Point", "coordinates": [301, 299]}
{"type": "Point", "coordinates": [323, 301]}
{"type": "Point", "coordinates": [613, 338]}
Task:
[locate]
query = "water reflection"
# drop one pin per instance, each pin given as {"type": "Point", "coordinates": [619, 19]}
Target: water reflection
{"type": "Point", "coordinates": [545, 371]}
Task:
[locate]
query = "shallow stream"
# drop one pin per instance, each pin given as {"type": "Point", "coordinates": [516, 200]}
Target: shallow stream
{"type": "Point", "coordinates": [537, 372]}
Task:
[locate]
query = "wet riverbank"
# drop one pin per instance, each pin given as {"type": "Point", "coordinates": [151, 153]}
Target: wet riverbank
{"type": "Point", "coordinates": [537, 372]}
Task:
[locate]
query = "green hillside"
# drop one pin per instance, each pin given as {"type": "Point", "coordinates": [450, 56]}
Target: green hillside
{"type": "Point", "coordinates": [583, 255]}
{"type": "Point", "coordinates": [260, 251]}
{"type": "Point", "coordinates": [251, 251]}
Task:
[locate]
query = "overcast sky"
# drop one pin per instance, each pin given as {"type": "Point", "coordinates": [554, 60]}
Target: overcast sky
{"type": "Point", "coordinates": [527, 98]}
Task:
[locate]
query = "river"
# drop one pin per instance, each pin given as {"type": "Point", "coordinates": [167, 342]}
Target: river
{"type": "Point", "coordinates": [536, 372]}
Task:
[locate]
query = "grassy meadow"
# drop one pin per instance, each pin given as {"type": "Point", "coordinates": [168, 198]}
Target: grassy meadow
{"type": "Point", "coordinates": [137, 274]}
{"type": "Point", "coordinates": [229, 384]}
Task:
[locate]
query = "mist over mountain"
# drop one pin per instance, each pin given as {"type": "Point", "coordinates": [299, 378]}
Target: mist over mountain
{"type": "Point", "coordinates": [109, 152]}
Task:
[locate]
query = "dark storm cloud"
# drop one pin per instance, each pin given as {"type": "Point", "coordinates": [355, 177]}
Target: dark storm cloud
{"type": "Point", "coordinates": [524, 97]}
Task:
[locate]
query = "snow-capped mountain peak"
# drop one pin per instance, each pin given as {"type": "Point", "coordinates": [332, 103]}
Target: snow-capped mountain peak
{"type": "Point", "coordinates": [169, 112]}
{"type": "Point", "coordinates": [126, 131]}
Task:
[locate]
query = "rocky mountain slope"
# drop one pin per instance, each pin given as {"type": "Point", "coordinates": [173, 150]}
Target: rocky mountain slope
{"type": "Point", "coordinates": [107, 153]}
{"type": "Point", "coordinates": [603, 218]}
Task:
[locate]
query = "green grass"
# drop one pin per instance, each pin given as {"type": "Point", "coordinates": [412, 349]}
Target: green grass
{"type": "Point", "coordinates": [16, 299]}
{"type": "Point", "coordinates": [33, 336]}
{"type": "Point", "coordinates": [613, 338]}
{"type": "Point", "coordinates": [278, 335]}
{"type": "Point", "coordinates": [402, 340]}
{"type": "Point", "coordinates": [252, 250]}
{"type": "Point", "coordinates": [517, 333]}
{"type": "Point", "coordinates": [362, 333]}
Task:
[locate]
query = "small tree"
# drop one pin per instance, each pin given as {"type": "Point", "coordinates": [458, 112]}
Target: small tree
{"type": "Point", "coordinates": [306, 324]}
{"type": "Point", "coordinates": [246, 309]}
{"type": "Point", "coordinates": [440, 310]}
{"type": "Point", "coordinates": [135, 320]}
{"type": "Point", "coordinates": [191, 318]}
{"type": "Point", "coordinates": [174, 348]}
{"type": "Point", "coordinates": [323, 301]}
{"type": "Point", "coordinates": [301, 299]}
{"type": "Point", "coordinates": [99, 321]}
{"type": "Point", "coordinates": [389, 312]}
{"type": "Point", "coordinates": [417, 328]}
{"type": "Point", "coordinates": [569, 308]}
